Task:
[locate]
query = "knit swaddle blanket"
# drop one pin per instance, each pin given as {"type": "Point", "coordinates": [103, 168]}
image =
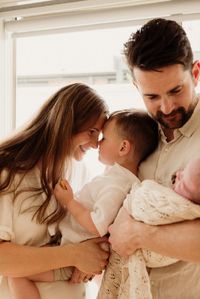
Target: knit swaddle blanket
{"type": "Point", "coordinates": [152, 204]}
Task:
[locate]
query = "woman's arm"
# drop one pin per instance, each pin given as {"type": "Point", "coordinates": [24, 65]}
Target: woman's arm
{"type": "Point", "coordinates": [87, 256]}
{"type": "Point", "coordinates": [180, 240]}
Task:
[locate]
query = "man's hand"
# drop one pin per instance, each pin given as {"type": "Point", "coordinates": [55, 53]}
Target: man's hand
{"type": "Point", "coordinates": [125, 233]}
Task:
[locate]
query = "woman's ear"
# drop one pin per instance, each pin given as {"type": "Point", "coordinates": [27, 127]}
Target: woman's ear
{"type": "Point", "coordinates": [125, 147]}
{"type": "Point", "coordinates": [196, 72]}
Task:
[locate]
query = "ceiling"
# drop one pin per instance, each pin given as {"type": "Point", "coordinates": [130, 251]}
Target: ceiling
{"type": "Point", "coordinates": [7, 5]}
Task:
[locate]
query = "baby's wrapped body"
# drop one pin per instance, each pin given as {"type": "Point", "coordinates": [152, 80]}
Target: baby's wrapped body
{"type": "Point", "coordinates": [152, 204]}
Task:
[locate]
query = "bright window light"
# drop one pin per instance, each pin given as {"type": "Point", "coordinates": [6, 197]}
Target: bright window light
{"type": "Point", "coordinates": [48, 62]}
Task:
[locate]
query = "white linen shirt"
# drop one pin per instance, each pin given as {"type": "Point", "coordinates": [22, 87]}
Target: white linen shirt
{"type": "Point", "coordinates": [104, 196]}
{"type": "Point", "coordinates": [180, 280]}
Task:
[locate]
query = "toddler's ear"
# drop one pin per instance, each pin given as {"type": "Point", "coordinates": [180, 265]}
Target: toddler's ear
{"type": "Point", "coordinates": [124, 148]}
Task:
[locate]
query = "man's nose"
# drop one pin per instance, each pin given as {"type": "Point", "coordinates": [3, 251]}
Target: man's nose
{"type": "Point", "coordinates": [166, 106]}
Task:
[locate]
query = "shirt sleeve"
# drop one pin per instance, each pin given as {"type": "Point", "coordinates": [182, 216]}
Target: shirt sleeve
{"type": "Point", "coordinates": [6, 212]}
{"type": "Point", "coordinates": [105, 209]}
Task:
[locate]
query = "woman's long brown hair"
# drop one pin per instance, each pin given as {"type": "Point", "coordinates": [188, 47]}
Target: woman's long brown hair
{"type": "Point", "coordinates": [47, 140]}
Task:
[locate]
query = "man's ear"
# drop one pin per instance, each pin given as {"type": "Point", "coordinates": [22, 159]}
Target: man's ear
{"type": "Point", "coordinates": [125, 147]}
{"type": "Point", "coordinates": [196, 72]}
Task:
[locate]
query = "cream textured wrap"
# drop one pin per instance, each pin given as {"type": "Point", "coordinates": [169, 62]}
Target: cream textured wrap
{"type": "Point", "coordinates": [152, 204]}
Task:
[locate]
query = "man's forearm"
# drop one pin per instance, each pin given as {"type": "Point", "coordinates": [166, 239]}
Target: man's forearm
{"type": "Point", "coordinates": [179, 240]}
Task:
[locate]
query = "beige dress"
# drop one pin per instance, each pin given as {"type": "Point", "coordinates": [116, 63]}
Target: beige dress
{"type": "Point", "coordinates": [16, 225]}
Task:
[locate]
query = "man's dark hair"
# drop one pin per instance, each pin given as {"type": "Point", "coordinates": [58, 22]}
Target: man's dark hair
{"type": "Point", "coordinates": [157, 44]}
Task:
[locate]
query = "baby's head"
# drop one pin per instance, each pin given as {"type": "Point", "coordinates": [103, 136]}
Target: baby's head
{"type": "Point", "coordinates": [128, 134]}
{"type": "Point", "coordinates": [186, 182]}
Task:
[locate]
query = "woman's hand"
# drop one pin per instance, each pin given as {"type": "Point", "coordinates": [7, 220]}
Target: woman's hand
{"type": "Point", "coordinates": [90, 257]}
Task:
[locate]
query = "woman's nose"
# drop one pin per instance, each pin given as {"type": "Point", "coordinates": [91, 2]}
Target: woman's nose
{"type": "Point", "coordinates": [94, 142]}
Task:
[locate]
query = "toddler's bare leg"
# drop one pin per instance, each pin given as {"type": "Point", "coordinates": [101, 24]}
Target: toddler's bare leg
{"type": "Point", "coordinates": [23, 287]}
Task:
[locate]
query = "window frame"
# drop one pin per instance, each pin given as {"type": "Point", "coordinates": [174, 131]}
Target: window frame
{"type": "Point", "coordinates": [68, 17]}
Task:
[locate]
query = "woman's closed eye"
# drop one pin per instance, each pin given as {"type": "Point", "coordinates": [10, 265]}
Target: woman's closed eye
{"type": "Point", "coordinates": [93, 132]}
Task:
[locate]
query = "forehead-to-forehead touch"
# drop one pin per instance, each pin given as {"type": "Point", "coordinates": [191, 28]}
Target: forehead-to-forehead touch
{"type": "Point", "coordinates": [110, 124]}
{"type": "Point", "coordinates": [88, 107]}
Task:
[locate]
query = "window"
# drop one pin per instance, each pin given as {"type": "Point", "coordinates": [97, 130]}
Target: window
{"type": "Point", "coordinates": [46, 63]}
{"type": "Point", "coordinates": [192, 29]}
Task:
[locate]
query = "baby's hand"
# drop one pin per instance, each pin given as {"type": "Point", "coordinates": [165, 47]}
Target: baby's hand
{"type": "Point", "coordinates": [63, 193]}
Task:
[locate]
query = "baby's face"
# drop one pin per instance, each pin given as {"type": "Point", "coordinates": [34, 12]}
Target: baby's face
{"type": "Point", "coordinates": [185, 182]}
{"type": "Point", "coordinates": [179, 184]}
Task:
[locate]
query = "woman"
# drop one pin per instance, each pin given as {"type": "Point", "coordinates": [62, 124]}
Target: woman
{"type": "Point", "coordinates": [31, 163]}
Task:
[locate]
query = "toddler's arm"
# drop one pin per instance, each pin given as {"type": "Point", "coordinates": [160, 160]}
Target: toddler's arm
{"type": "Point", "coordinates": [64, 194]}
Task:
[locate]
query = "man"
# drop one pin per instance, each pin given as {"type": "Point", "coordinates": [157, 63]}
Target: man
{"type": "Point", "coordinates": [161, 62]}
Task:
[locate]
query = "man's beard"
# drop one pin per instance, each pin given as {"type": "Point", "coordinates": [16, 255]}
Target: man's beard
{"type": "Point", "coordinates": [176, 119]}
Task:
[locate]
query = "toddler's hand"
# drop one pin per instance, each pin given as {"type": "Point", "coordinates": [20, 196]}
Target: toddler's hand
{"type": "Point", "coordinates": [64, 184]}
{"type": "Point", "coordinates": [79, 276]}
{"type": "Point", "coordinates": [63, 193]}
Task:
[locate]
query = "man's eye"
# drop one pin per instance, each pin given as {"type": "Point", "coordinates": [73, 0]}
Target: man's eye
{"type": "Point", "coordinates": [152, 98]}
{"type": "Point", "coordinates": [175, 91]}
